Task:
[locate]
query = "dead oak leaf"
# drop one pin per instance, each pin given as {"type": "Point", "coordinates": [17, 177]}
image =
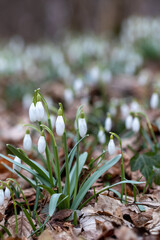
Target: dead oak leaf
{"type": "Point", "coordinates": [24, 227]}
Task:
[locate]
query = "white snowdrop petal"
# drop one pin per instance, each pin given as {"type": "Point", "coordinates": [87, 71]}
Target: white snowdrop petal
{"type": "Point", "coordinates": [154, 100]}
{"type": "Point", "coordinates": [32, 113]}
{"type": "Point", "coordinates": [41, 144]}
{"type": "Point", "coordinates": [60, 126]}
{"type": "Point", "coordinates": [135, 125]}
{"type": "Point", "coordinates": [111, 147]}
{"type": "Point", "coordinates": [7, 193]}
{"type": "Point", "coordinates": [39, 111]}
{"type": "Point", "coordinates": [82, 125]}
{"type": "Point", "coordinates": [15, 167]}
{"type": "Point", "coordinates": [101, 137]}
{"type": "Point", "coordinates": [27, 142]}
{"type": "Point", "coordinates": [128, 122]}
{"type": "Point", "coordinates": [108, 124]}
{"type": "Point", "coordinates": [1, 197]}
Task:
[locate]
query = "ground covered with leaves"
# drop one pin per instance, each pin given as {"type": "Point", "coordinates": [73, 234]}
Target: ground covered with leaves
{"type": "Point", "coordinates": [117, 77]}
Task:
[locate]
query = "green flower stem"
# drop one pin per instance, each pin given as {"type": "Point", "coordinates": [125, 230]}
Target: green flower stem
{"type": "Point", "coordinates": [53, 143]}
{"type": "Point", "coordinates": [123, 186]}
{"type": "Point", "coordinates": [77, 159]}
{"type": "Point", "coordinates": [67, 167]}
{"type": "Point", "coordinates": [150, 127]}
{"type": "Point", "coordinates": [56, 158]}
{"type": "Point", "coordinates": [48, 160]}
{"type": "Point", "coordinates": [14, 204]}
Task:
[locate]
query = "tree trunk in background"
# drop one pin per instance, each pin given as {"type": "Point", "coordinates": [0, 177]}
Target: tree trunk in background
{"type": "Point", "coordinates": [36, 19]}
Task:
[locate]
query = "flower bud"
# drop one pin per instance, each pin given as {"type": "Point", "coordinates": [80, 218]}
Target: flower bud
{"type": "Point", "coordinates": [1, 197]}
{"type": "Point", "coordinates": [111, 146]}
{"type": "Point", "coordinates": [15, 167]}
{"type": "Point", "coordinates": [27, 141]}
{"type": "Point", "coordinates": [82, 125]}
{"type": "Point", "coordinates": [128, 122]}
{"type": "Point", "coordinates": [7, 193]}
{"type": "Point", "coordinates": [101, 136]}
{"type": "Point", "coordinates": [39, 111]}
{"type": "Point", "coordinates": [108, 123]}
{"type": "Point", "coordinates": [60, 125]}
{"type": "Point", "coordinates": [135, 125]}
{"type": "Point", "coordinates": [32, 113]}
{"type": "Point", "coordinates": [154, 100]}
{"type": "Point", "coordinates": [42, 144]}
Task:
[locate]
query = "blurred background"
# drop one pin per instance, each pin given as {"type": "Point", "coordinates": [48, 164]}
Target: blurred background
{"type": "Point", "coordinates": [39, 19]}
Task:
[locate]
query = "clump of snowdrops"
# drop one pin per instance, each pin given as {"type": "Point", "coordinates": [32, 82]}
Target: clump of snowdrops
{"type": "Point", "coordinates": [72, 192]}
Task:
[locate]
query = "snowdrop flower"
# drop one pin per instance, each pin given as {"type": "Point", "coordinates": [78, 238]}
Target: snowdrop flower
{"type": "Point", "coordinates": [124, 110]}
{"type": "Point", "coordinates": [27, 141]}
{"type": "Point", "coordinates": [68, 96]}
{"type": "Point", "coordinates": [39, 109]}
{"type": "Point", "coordinates": [53, 120]}
{"type": "Point", "coordinates": [128, 122]}
{"type": "Point", "coordinates": [7, 193]}
{"type": "Point", "coordinates": [135, 125]}
{"type": "Point", "coordinates": [108, 123]}
{"type": "Point", "coordinates": [154, 100]}
{"type": "Point", "coordinates": [32, 113]}
{"type": "Point", "coordinates": [15, 167]}
{"type": "Point", "coordinates": [60, 125]}
{"type": "Point", "coordinates": [1, 197]}
{"type": "Point", "coordinates": [78, 85]}
{"type": "Point", "coordinates": [101, 136]}
{"type": "Point", "coordinates": [111, 146]}
{"type": "Point", "coordinates": [82, 125]}
{"type": "Point", "coordinates": [42, 143]}
{"type": "Point", "coordinates": [134, 106]}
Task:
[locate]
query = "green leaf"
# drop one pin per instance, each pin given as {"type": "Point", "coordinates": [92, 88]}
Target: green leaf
{"type": "Point", "coordinates": [37, 167]}
{"type": "Point", "coordinates": [86, 186]}
{"type": "Point", "coordinates": [42, 180]}
{"type": "Point", "coordinates": [54, 202]}
{"type": "Point", "coordinates": [145, 162]}
{"type": "Point", "coordinates": [72, 175]}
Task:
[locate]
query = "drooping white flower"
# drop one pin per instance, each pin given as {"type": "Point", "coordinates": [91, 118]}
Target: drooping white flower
{"type": "Point", "coordinates": [39, 111]}
{"type": "Point", "coordinates": [41, 144]}
{"type": "Point", "coordinates": [82, 125]}
{"type": "Point", "coordinates": [7, 193]}
{"type": "Point", "coordinates": [16, 167]}
{"type": "Point", "coordinates": [108, 123]}
{"type": "Point", "coordinates": [136, 124]}
{"type": "Point", "coordinates": [32, 113]}
{"type": "Point", "coordinates": [78, 85]}
{"type": "Point", "coordinates": [60, 125]}
{"type": "Point", "coordinates": [124, 110]}
{"type": "Point", "coordinates": [101, 136]}
{"type": "Point", "coordinates": [68, 96]}
{"type": "Point", "coordinates": [128, 122]}
{"type": "Point", "coordinates": [134, 106]}
{"type": "Point", "coordinates": [1, 197]}
{"type": "Point", "coordinates": [111, 146]}
{"type": "Point", "coordinates": [154, 100]}
{"type": "Point", "coordinates": [53, 120]}
{"type": "Point", "coordinates": [27, 141]}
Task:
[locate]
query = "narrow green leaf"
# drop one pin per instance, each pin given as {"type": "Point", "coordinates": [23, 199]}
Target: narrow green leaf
{"type": "Point", "coordinates": [54, 201]}
{"type": "Point", "coordinates": [82, 192]}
